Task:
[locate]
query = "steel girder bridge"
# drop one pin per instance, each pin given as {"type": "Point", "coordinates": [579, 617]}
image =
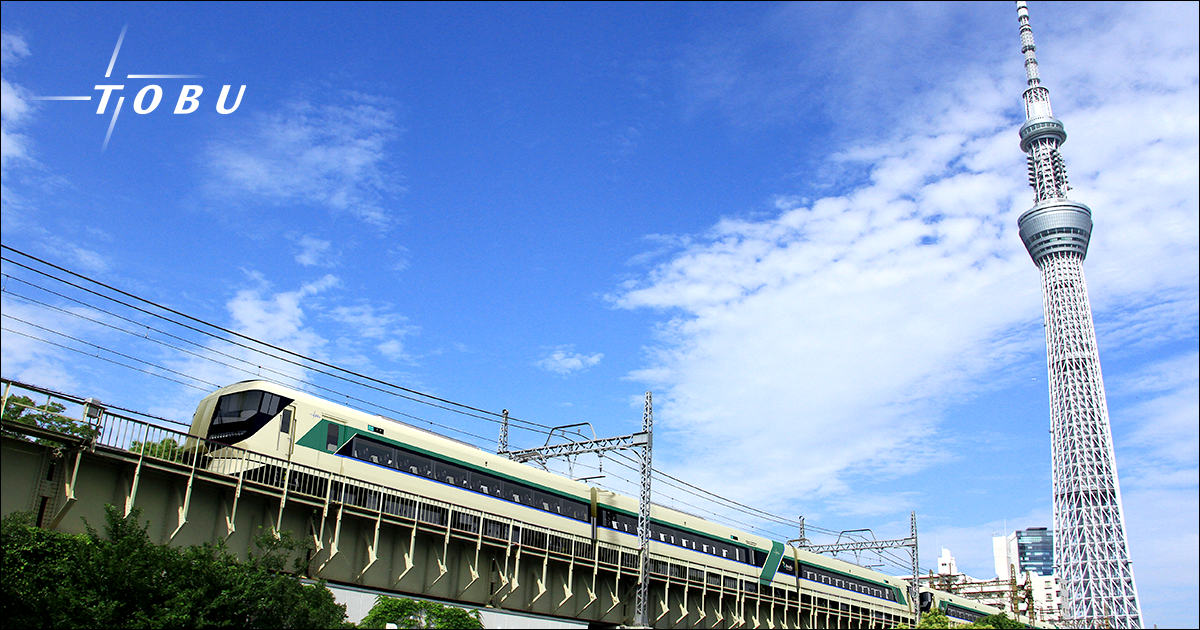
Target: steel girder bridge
{"type": "Point", "coordinates": [371, 536]}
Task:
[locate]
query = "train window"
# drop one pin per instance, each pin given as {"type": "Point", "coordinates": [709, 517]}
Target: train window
{"type": "Point", "coordinates": [331, 437]}
{"type": "Point", "coordinates": [239, 415]}
{"type": "Point", "coordinates": [368, 449]}
{"type": "Point", "coordinates": [285, 421]}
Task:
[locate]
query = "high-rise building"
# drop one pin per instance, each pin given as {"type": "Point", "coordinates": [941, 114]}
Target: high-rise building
{"type": "Point", "coordinates": [1027, 551]}
{"type": "Point", "coordinates": [1090, 553]}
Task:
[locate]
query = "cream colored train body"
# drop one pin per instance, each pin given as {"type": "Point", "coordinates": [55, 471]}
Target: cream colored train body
{"type": "Point", "coordinates": [268, 418]}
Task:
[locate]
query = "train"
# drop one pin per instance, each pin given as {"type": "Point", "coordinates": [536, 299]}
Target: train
{"type": "Point", "coordinates": [265, 417]}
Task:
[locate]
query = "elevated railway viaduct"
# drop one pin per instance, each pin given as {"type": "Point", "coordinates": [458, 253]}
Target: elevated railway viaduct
{"type": "Point", "coordinates": [371, 536]}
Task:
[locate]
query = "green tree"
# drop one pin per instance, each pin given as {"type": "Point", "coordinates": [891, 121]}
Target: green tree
{"type": "Point", "coordinates": [938, 619]}
{"type": "Point", "coordinates": [22, 409]}
{"type": "Point", "coordinates": [1001, 620]}
{"type": "Point", "coordinates": [934, 619]}
{"type": "Point", "coordinates": [122, 579]}
{"type": "Point", "coordinates": [414, 613]}
{"type": "Point", "coordinates": [166, 448]}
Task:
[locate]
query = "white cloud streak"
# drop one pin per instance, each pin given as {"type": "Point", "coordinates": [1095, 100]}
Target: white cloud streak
{"type": "Point", "coordinates": [315, 252]}
{"type": "Point", "coordinates": [330, 156]}
{"type": "Point", "coordinates": [563, 360]}
{"type": "Point", "coordinates": [823, 344]}
{"type": "Point", "coordinates": [14, 103]}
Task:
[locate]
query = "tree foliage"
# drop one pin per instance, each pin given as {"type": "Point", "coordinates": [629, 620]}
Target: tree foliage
{"type": "Point", "coordinates": [938, 619]}
{"type": "Point", "coordinates": [122, 579]}
{"type": "Point", "coordinates": [413, 613]}
{"type": "Point", "coordinates": [166, 448]}
{"type": "Point", "coordinates": [22, 409]}
{"type": "Point", "coordinates": [1001, 620]}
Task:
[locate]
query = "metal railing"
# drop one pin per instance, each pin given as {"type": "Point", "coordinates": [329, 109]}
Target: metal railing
{"type": "Point", "coordinates": [153, 443]}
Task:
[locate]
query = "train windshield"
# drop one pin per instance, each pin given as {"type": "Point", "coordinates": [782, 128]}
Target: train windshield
{"type": "Point", "coordinates": [239, 415]}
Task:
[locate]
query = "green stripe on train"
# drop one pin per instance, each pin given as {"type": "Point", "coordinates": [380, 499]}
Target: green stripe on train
{"type": "Point", "coordinates": [772, 563]}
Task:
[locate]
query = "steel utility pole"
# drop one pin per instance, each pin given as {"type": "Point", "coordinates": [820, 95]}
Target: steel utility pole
{"type": "Point", "coordinates": [868, 545]}
{"type": "Point", "coordinates": [642, 443]}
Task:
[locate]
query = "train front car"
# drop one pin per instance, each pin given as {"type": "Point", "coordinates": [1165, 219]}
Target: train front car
{"type": "Point", "coordinates": [255, 416]}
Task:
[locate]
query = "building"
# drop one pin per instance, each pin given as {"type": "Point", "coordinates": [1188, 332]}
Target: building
{"type": "Point", "coordinates": [1030, 550]}
{"type": "Point", "coordinates": [1029, 556]}
{"type": "Point", "coordinates": [946, 564]}
{"type": "Point", "coordinates": [1090, 551]}
{"type": "Point", "coordinates": [1024, 596]}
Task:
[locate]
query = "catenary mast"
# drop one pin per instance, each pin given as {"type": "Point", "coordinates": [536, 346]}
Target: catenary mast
{"type": "Point", "coordinates": [1091, 557]}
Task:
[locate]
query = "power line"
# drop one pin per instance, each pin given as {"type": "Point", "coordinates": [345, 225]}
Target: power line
{"type": "Point", "coordinates": [705, 495]}
{"type": "Point", "coordinates": [299, 361]}
{"type": "Point", "coordinates": [299, 385]}
{"type": "Point", "coordinates": [250, 339]}
{"type": "Point", "coordinates": [47, 341]}
{"type": "Point", "coordinates": [460, 406]}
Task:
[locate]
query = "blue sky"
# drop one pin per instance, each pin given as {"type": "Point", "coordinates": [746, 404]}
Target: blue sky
{"type": "Point", "coordinates": [795, 224]}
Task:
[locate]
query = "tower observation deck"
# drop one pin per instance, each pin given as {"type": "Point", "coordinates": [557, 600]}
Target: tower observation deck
{"type": "Point", "coordinates": [1090, 553]}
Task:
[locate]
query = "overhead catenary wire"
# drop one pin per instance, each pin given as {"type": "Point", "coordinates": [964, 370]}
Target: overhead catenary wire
{"type": "Point", "coordinates": [97, 356]}
{"type": "Point", "coordinates": [371, 380]}
{"type": "Point", "coordinates": [417, 396]}
{"type": "Point", "coordinates": [709, 496]}
{"type": "Point", "coordinates": [299, 360]}
{"type": "Point", "coordinates": [299, 384]}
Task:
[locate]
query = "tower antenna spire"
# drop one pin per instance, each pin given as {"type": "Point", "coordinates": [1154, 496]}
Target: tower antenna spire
{"type": "Point", "coordinates": [1091, 556]}
{"type": "Point", "coordinates": [1027, 47]}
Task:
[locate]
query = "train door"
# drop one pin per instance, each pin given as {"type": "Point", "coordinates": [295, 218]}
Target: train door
{"type": "Point", "coordinates": [285, 438]}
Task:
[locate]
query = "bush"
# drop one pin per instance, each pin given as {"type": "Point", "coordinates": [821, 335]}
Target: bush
{"type": "Point", "coordinates": [124, 580]}
{"type": "Point", "coordinates": [412, 613]}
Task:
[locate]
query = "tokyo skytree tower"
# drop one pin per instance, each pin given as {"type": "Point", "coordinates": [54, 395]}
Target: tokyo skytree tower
{"type": "Point", "coordinates": [1090, 554]}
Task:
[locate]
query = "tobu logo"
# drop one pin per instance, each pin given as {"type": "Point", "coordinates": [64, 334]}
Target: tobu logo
{"type": "Point", "coordinates": [189, 99]}
{"type": "Point", "coordinates": [149, 97]}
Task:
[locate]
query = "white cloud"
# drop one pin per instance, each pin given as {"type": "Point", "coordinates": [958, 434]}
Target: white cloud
{"type": "Point", "coordinates": [314, 252]}
{"type": "Point", "coordinates": [383, 330]}
{"type": "Point", "coordinates": [393, 349]}
{"type": "Point", "coordinates": [832, 322]}
{"type": "Point", "coordinates": [331, 156]}
{"type": "Point", "coordinates": [824, 343]}
{"type": "Point", "coordinates": [279, 318]}
{"type": "Point", "coordinates": [14, 103]}
{"type": "Point", "coordinates": [562, 360]}
{"type": "Point", "coordinates": [307, 321]}
{"type": "Point", "coordinates": [82, 258]}
{"type": "Point", "coordinates": [276, 318]}
{"type": "Point", "coordinates": [28, 359]}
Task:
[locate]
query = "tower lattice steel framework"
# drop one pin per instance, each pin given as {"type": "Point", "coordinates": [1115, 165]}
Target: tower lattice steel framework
{"type": "Point", "coordinates": [1091, 557]}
